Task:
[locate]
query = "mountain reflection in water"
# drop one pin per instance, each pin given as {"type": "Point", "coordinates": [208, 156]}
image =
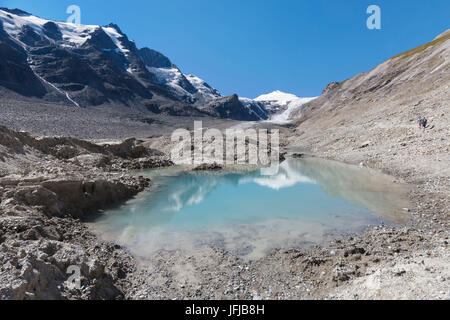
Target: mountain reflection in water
{"type": "Point", "coordinates": [308, 202]}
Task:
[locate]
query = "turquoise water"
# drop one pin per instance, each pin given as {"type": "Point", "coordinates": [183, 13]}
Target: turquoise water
{"type": "Point", "coordinates": [308, 202]}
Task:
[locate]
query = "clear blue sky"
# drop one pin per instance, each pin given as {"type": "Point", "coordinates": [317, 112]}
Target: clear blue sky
{"type": "Point", "coordinates": [251, 47]}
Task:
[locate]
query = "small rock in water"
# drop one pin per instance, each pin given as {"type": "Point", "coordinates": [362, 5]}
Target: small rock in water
{"type": "Point", "coordinates": [365, 144]}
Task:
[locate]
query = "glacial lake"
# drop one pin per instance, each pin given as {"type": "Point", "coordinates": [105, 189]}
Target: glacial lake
{"type": "Point", "coordinates": [309, 202]}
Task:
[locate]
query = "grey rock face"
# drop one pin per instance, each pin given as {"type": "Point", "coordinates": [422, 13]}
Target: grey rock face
{"type": "Point", "coordinates": [231, 107]}
{"type": "Point", "coordinates": [331, 86]}
{"type": "Point", "coordinates": [155, 59]}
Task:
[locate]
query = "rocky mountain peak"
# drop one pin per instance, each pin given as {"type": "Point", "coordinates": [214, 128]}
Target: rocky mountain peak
{"type": "Point", "coordinates": [91, 65]}
{"type": "Point", "coordinates": [115, 27]}
{"type": "Point", "coordinates": [16, 11]}
{"type": "Point", "coordinates": [443, 34]}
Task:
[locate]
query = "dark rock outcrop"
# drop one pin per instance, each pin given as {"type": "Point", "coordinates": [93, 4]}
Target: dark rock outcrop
{"type": "Point", "coordinates": [15, 73]}
{"type": "Point", "coordinates": [330, 87]}
{"type": "Point", "coordinates": [155, 59]}
{"type": "Point", "coordinates": [231, 107]}
{"type": "Point", "coordinates": [208, 167]}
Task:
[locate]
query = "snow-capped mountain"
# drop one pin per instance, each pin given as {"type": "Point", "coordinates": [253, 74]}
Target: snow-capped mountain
{"type": "Point", "coordinates": [18, 23]}
{"type": "Point", "coordinates": [282, 105]}
{"type": "Point", "coordinates": [206, 91]}
{"type": "Point", "coordinates": [257, 108]}
{"type": "Point", "coordinates": [186, 87]}
{"type": "Point", "coordinates": [90, 65]}
{"type": "Point", "coordinates": [278, 97]}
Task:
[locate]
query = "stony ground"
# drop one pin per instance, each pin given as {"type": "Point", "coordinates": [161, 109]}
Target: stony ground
{"type": "Point", "coordinates": [46, 187]}
{"type": "Point", "coordinates": [42, 234]}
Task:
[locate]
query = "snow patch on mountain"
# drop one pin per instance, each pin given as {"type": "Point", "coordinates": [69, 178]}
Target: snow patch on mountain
{"type": "Point", "coordinates": [282, 99]}
{"type": "Point", "coordinates": [173, 78]}
{"type": "Point", "coordinates": [73, 35]}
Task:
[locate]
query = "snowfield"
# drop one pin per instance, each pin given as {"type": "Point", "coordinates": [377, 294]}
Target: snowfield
{"type": "Point", "coordinates": [73, 35]}
{"type": "Point", "coordinates": [283, 99]}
